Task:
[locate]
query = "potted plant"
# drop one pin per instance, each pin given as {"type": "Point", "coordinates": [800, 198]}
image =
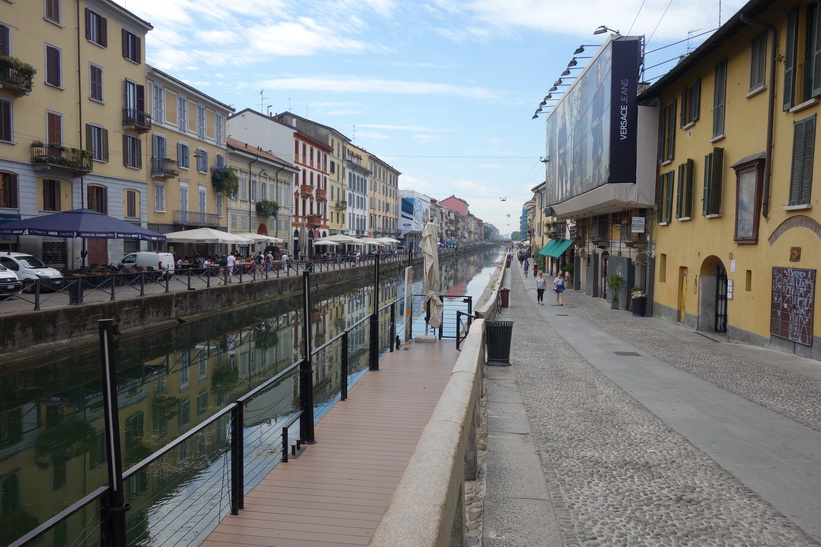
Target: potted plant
{"type": "Point", "coordinates": [615, 283]}
{"type": "Point", "coordinates": [225, 180]}
{"type": "Point", "coordinates": [267, 207]}
{"type": "Point", "coordinates": [638, 301]}
{"type": "Point", "coordinates": [568, 272]}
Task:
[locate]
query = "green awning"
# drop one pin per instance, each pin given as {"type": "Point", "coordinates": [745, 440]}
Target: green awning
{"type": "Point", "coordinates": [546, 249]}
{"type": "Point", "coordinates": [558, 249]}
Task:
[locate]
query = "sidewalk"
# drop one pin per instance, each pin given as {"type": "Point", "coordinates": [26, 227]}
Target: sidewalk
{"type": "Point", "coordinates": [633, 431]}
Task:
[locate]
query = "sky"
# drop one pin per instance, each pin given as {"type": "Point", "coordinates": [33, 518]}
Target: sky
{"type": "Point", "coordinates": [442, 90]}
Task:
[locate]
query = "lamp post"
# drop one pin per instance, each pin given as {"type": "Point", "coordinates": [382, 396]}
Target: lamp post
{"type": "Point", "coordinates": [602, 29]}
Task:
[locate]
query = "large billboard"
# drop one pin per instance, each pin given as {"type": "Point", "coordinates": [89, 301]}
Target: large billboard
{"type": "Point", "coordinates": [591, 132]}
{"type": "Point", "coordinates": [413, 214]}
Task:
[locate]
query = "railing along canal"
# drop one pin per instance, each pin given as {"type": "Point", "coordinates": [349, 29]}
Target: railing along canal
{"type": "Point", "coordinates": [240, 442]}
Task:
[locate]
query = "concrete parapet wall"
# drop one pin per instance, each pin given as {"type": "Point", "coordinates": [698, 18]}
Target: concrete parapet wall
{"type": "Point", "coordinates": [427, 508]}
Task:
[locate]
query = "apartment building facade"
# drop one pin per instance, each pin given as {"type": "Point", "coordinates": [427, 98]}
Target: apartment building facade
{"type": "Point", "coordinates": [73, 121]}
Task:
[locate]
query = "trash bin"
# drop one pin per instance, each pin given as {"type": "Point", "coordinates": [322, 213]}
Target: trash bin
{"type": "Point", "coordinates": [505, 294]}
{"type": "Point", "coordinates": [639, 305]}
{"type": "Point", "coordinates": [499, 335]}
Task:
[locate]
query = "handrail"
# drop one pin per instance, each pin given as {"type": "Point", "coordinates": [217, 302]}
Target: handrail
{"type": "Point", "coordinates": [59, 517]}
{"type": "Point", "coordinates": [285, 427]}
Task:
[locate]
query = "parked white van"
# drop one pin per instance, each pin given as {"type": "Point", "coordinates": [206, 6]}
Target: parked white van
{"type": "Point", "coordinates": [9, 284]}
{"type": "Point", "coordinates": [147, 259]}
{"type": "Point", "coordinates": [29, 269]}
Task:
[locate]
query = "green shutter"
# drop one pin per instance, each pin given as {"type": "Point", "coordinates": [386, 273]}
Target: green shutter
{"type": "Point", "coordinates": [696, 100]}
{"type": "Point", "coordinates": [668, 196]}
{"type": "Point", "coordinates": [660, 198]}
{"type": "Point", "coordinates": [125, 149]}
{"type": "Point", "coordinates": [789, 58]}
{"type": "Point", "coordinates": [809, 150]}
{"type": "Point", "coordinates": [680, 191]}
{"type": "Point", "coordinates": [682, 118]}
{"type": "Point", "coordinates": [688, 188]}
{"type": "Point", "coordinates": [660, 143]}
{"type": "Point", "coordinates": [802, 161]}
{"type": "Point", "coordinates": [816, 57]}
{"type": "Point", "coordinates": [671, 133]}
{"type": "Point", "coordinates": [705, 196]}
{"type": "Point", "coordinates": [716, 179]}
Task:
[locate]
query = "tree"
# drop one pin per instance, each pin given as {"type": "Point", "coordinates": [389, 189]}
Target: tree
{"type": "Point", "coordinates": [516, 236]}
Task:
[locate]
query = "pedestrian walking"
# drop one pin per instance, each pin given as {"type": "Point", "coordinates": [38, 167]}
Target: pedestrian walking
{"type": "Point", "coordinates": [230, 261]}
{"type": "Point", "coordinates": [223, 264]}
{"type": "Point", "coordinates": [526, 266]}
{"type": "Point", "coordinates": [558, 287]}
{"type": "Point", "coordinates": [540, 286]}
{"type": "Point", "coordinates": [284, 258]}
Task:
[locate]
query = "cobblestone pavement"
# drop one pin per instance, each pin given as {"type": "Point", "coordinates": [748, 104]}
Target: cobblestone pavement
{"type": "Point", "coordinates": [617, 474]}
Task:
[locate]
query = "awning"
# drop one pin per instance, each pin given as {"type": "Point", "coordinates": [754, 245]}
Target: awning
{"type": "Point", "coordinates": [546, 249]}
{"type": "Point", "coordinates": [558, 248]}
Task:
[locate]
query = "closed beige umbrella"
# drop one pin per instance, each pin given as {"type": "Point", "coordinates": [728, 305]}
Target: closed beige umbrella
{"type": "Point", "coordinates": [430, 247]}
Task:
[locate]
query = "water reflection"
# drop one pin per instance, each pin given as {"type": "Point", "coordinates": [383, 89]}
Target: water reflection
{"type": "Point", "coordinates": [52, 449]}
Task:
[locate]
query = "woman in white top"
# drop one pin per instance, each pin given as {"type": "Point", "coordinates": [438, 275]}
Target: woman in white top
{"type": "Point", "coordinates": [558, 286]}
{"type": "Point", "coordinates": [540, 286]}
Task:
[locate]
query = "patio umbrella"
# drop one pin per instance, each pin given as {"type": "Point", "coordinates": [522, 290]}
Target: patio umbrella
{"type": "Point", "coordinates": [260, 237]}
{"type": "Point", "coordinates": [326, 241]}
{"type": "Point", "coordinates": [387, 240]}
{"type": "Point", "coordinates": [205, 235]}
{"type": "Point", "coordinates": [371, 241]}
{"type": "Point", "coordinates": [82, 223]}
{"type": "Point", "coordinates": [430, 247]}
{"type": "Point", "coordinates": [342, 238]}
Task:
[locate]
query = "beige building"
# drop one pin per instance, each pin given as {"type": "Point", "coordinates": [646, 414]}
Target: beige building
{"type": "Point", "coordinates": [186, 155]}
{"type": "Point", "coordinates": [383, 198]}
{"type": "Point", "coordinates": [72, 121]}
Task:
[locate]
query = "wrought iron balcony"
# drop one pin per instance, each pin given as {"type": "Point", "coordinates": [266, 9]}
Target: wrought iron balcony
{"type": "Point", "coordinates": [306, 189]}
{"type": "Point", "coordinates": [340, 205]}
{"type": "Point", "coordinates": [56, 157]}
{"type": "Point", "coordinates": [313, 220]}
{"type": "Point", "coordinates": [164, 168]}
{"type": "Point", "coordinates": [16, 75]}
{"type": "Point", "coordinates": [195, 218]}
{"type": "Point", "coordinates": [321, 194]}
{"type": "Point", "coordinates": [136, 119]}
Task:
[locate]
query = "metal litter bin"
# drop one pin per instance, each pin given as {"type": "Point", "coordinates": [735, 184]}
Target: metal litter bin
{"type": "Point", "coordinates": [505, 294]}
{"type": "Point", "coordinates": [499, 335]}
{"type": "Point", "coordinates": [639, 306]}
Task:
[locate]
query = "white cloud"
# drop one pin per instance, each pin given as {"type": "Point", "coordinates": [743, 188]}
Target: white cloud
{"type": "Point", "coordinates": [364, 84]}
{"type": "Point", "coordinates": [350, 112]}
{"type": "Point", "coordinates": [426, 138]}
{"type": "Point", "coordinates": [373, 136]}
{"type": "Point", "coordinates": [301, 38]}
{"type": "Point", "coordinates": [490, 166]}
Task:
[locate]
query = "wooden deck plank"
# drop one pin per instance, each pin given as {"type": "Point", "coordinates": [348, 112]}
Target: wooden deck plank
{"type": "Point", "coordinates": [335, 493]}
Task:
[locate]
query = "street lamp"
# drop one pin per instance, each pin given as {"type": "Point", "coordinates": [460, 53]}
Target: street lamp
{"type": "Point", "coordinates": [602, 29]}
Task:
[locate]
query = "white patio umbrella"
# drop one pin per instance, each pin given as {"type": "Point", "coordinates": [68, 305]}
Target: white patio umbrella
{"type": "Point", "coordinates": [371, 241]}
{"type": "Point", "coordinates": [387, 240]}
{"type": "Point", "coordinates": [430, 247]}
{"type": "Point", "coordinates": [260, 237]}
{"type": "Point", "coordinates": [326, 241]}
{"type": "Point", "coordinates": [342, 238]}
{"type": "Point", "coordinates": [205, 235]}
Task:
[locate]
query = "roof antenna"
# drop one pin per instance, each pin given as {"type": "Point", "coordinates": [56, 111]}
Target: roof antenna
{"type": "Point", "coordinates": [262, 101]}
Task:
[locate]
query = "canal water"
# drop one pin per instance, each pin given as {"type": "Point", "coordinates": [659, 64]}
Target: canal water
{"type": "Point", "coordinates": [52, 434]}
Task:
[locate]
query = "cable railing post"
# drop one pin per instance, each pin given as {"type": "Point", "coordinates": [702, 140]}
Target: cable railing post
{"type": "Point", "coordinates": [237, 464]}
{"type": "Point", "coordinates": [113, 286]}
{"type": "Point", "coordinates": [306, 380]}
{"type": "Point", "coordinates": [37, 295]}
{"type": "Point", "coordinates": [116, 522]}
{"type": "Point", "coordinates": [142, 283]}
{"type": "Point", "coordinates": [373, 362]}
{"type": "Point", "coordinates": [393, 324]}
{"type": "Point", "coordinates": [188, 273]}
{"type": "Point", "coordinates": [167, 280]}
{"type": "Point", "coordinates": [344, 389]}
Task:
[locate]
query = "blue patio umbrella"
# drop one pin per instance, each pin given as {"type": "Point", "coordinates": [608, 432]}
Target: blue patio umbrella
{"type": "Point", "coordinates": [82, 223]}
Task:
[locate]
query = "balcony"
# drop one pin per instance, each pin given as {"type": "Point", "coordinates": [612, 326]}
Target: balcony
{"type": "Point", "coordinates": [136, 119]}
{"type": "Point", "coordinates": [164, 168]}
{"type": "Point", "coordinates": [16, 75]}
{"type": "Point", "coordinates": [306, 190]}
{"type": "Point", "coordinates": [60, 158]}
{"type": "Point", "coordinates": [313, 220]}
{"type": "Point", "coordinates": [195, 218]}
{"type": "Point", "coordinates": [321, 194]}
{"type": "Point", "coordinates": [340, 205]}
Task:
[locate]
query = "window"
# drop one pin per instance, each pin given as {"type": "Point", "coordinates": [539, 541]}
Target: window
{"type": "Point", "coordinates": [690, 103]}
{"type": "Point", "coordinates": [202, 160]}
{"type": "Point", "coordinates": [158, 147]}
{"type": "Point", "coordinates": [220, 161]}
{"type": "Point", "coordinates": [182, 114]}
{"type": "Point", "coordinates": [790, 57]}
{"type": "Point", "coordinates": [131, 47]}
{"type": "Point", "coordinates": [135, 103]}
{"type": "Point", "coordinates": [96, 28]}
{"type": "Point", "coordinates": [218, 205]}
{"type": "Point", "coordinates": [202, 198]}
{"type": "Point", "coordinates": [97, 142]}
{"type": "Point", "coordinates": [749, 178]}
{"type": "Point", "coordinates": [219, 121]}
{"type": "Point", "coordinates": [95, 82]}
{"type": "Point", "coordinates": [6, 133]}
{"type": "Point", "coordinates": [53, 11]}
{"type": "Point", "coordinates": [183, 155]}
{"type": "Point", "coordinates": [202, 403]}
{"type": "Point", "coordinates": [684, 198]}
{"type": "Point", "coordinates": [8, 190]}
{"type": "Point", "coordinates": [758, 59]}
{"type": "Point", "coordinates": [254, 186]}
{"type": "Point", "coordinates": [184, 208]}
{"type": "Point", "coordinates": [159, 94]}
{"type": "Point", "coordinates": [131, 204]}
{"type": "Point", "coordinates": [713, 168]}
{"type": "Point", "coordinates": [51, 195]}
{"type": "Point", "coordinates": [812, 56]}
{"type": "Point", "coordinates": [802, 155]}
{"type": "Point", "coordinates": [54, 71]}
{"type": "Point", "coordinates": [5, 40]}
{"type": "Point", "coordinates": [201, 122]}
{"type": "Point", "coordinates": [132, 151]}
{"type": "Point", "coordinates": [159, 197]}
{"type": "Point", "coordinates": [97, 199]}
{"type": "Point", "coordinates": [719, 99]}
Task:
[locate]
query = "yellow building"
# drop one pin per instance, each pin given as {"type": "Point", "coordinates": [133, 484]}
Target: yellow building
{"type": "Point", "coordinates": [383, 198]}
{"type": "Point", "coordinates": [737, 223]}
{"type": "Point", "coordinates": [186, 155]}
{"type": "Point", "coordinates": [72, 121]}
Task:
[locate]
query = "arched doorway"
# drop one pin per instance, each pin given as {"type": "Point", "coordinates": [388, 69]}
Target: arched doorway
{"type": "Point", "coordinates": [712, 296]}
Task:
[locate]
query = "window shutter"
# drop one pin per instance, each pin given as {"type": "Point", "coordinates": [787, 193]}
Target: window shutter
{"type": "Point", "coordinates": [683, 116]}
{"type": "Point", "coordinates": [696, 101]}
{"type": "Point", "coordinates": [105, 144]}
{"type": "Point", "coordinates": [89, 140]}
{"type": "Point", "coordinates": [125, 150]}
{"type": "Point", "coordinates": [688, 188]}
{"type": "Point", "coordinates": [138, 154]}
{"type": "Point", "coordinates": [53, 66]}
{"type": "Point", "coordinates": [5, 42]}
{"type": "Point", "coordinates": [789, 58]}
{"type": "Point", "coordinates": [660, 198]}
{"type": "Point", "coordinates": [716, 180]}
{"type": "Point", "coordinates": [88, 24]}
{"type": "Point", "coordinates": [808, 151]}
{"type": "Point", "coordinates": [103, 31]}
{"type": "Point", "coordinates": [125, 43]}
{"type": "Point", "coordinates": [671, 139]}
{"type": "Point", "coordinates": [141, 98]}
{"type": "Point", "coordinates": [705, 196]}
{"type": "Point", "coordinates": [659, 144]}
{"type": "Point", "coordinates": [816, 58]}
{"type": "Point", "coordinates": [680, 192]}
{"type": "Point", "coordinates": [137, 49]}
{"type": "Point", "coordinates": [668, 195]}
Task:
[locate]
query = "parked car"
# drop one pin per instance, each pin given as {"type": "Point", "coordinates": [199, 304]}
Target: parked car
{"type": "Point", "coordinates": [29, 269]}
{"type": "Point", "coordinates": [9, 284]}
{"type": "Point", "coordinates": [147, 259]}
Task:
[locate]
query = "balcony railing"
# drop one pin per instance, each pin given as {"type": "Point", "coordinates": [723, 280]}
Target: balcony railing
{"type": "Point", "coordinates": [314, 220]}
{"type": "Point", "coordinates": [340, 205]}
{"type": "Point", "coordinates": [321, 194]}
{"type": "Point", "coordinates": [47, 157]}
{"type": "Point", "coordinates": [191, 218]}
{"type": "Point", "coordinates": [15, 75]}
{"type": "Point", "coordinates": [164, 168]}
{"type": "Point", "coordinates": [136, 119]}
{"type": "Point", "coordinates": [306, 189]}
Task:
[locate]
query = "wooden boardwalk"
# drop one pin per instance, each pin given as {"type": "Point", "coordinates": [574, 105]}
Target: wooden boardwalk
{"type": "Point", "coordinates": [336, 492]}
